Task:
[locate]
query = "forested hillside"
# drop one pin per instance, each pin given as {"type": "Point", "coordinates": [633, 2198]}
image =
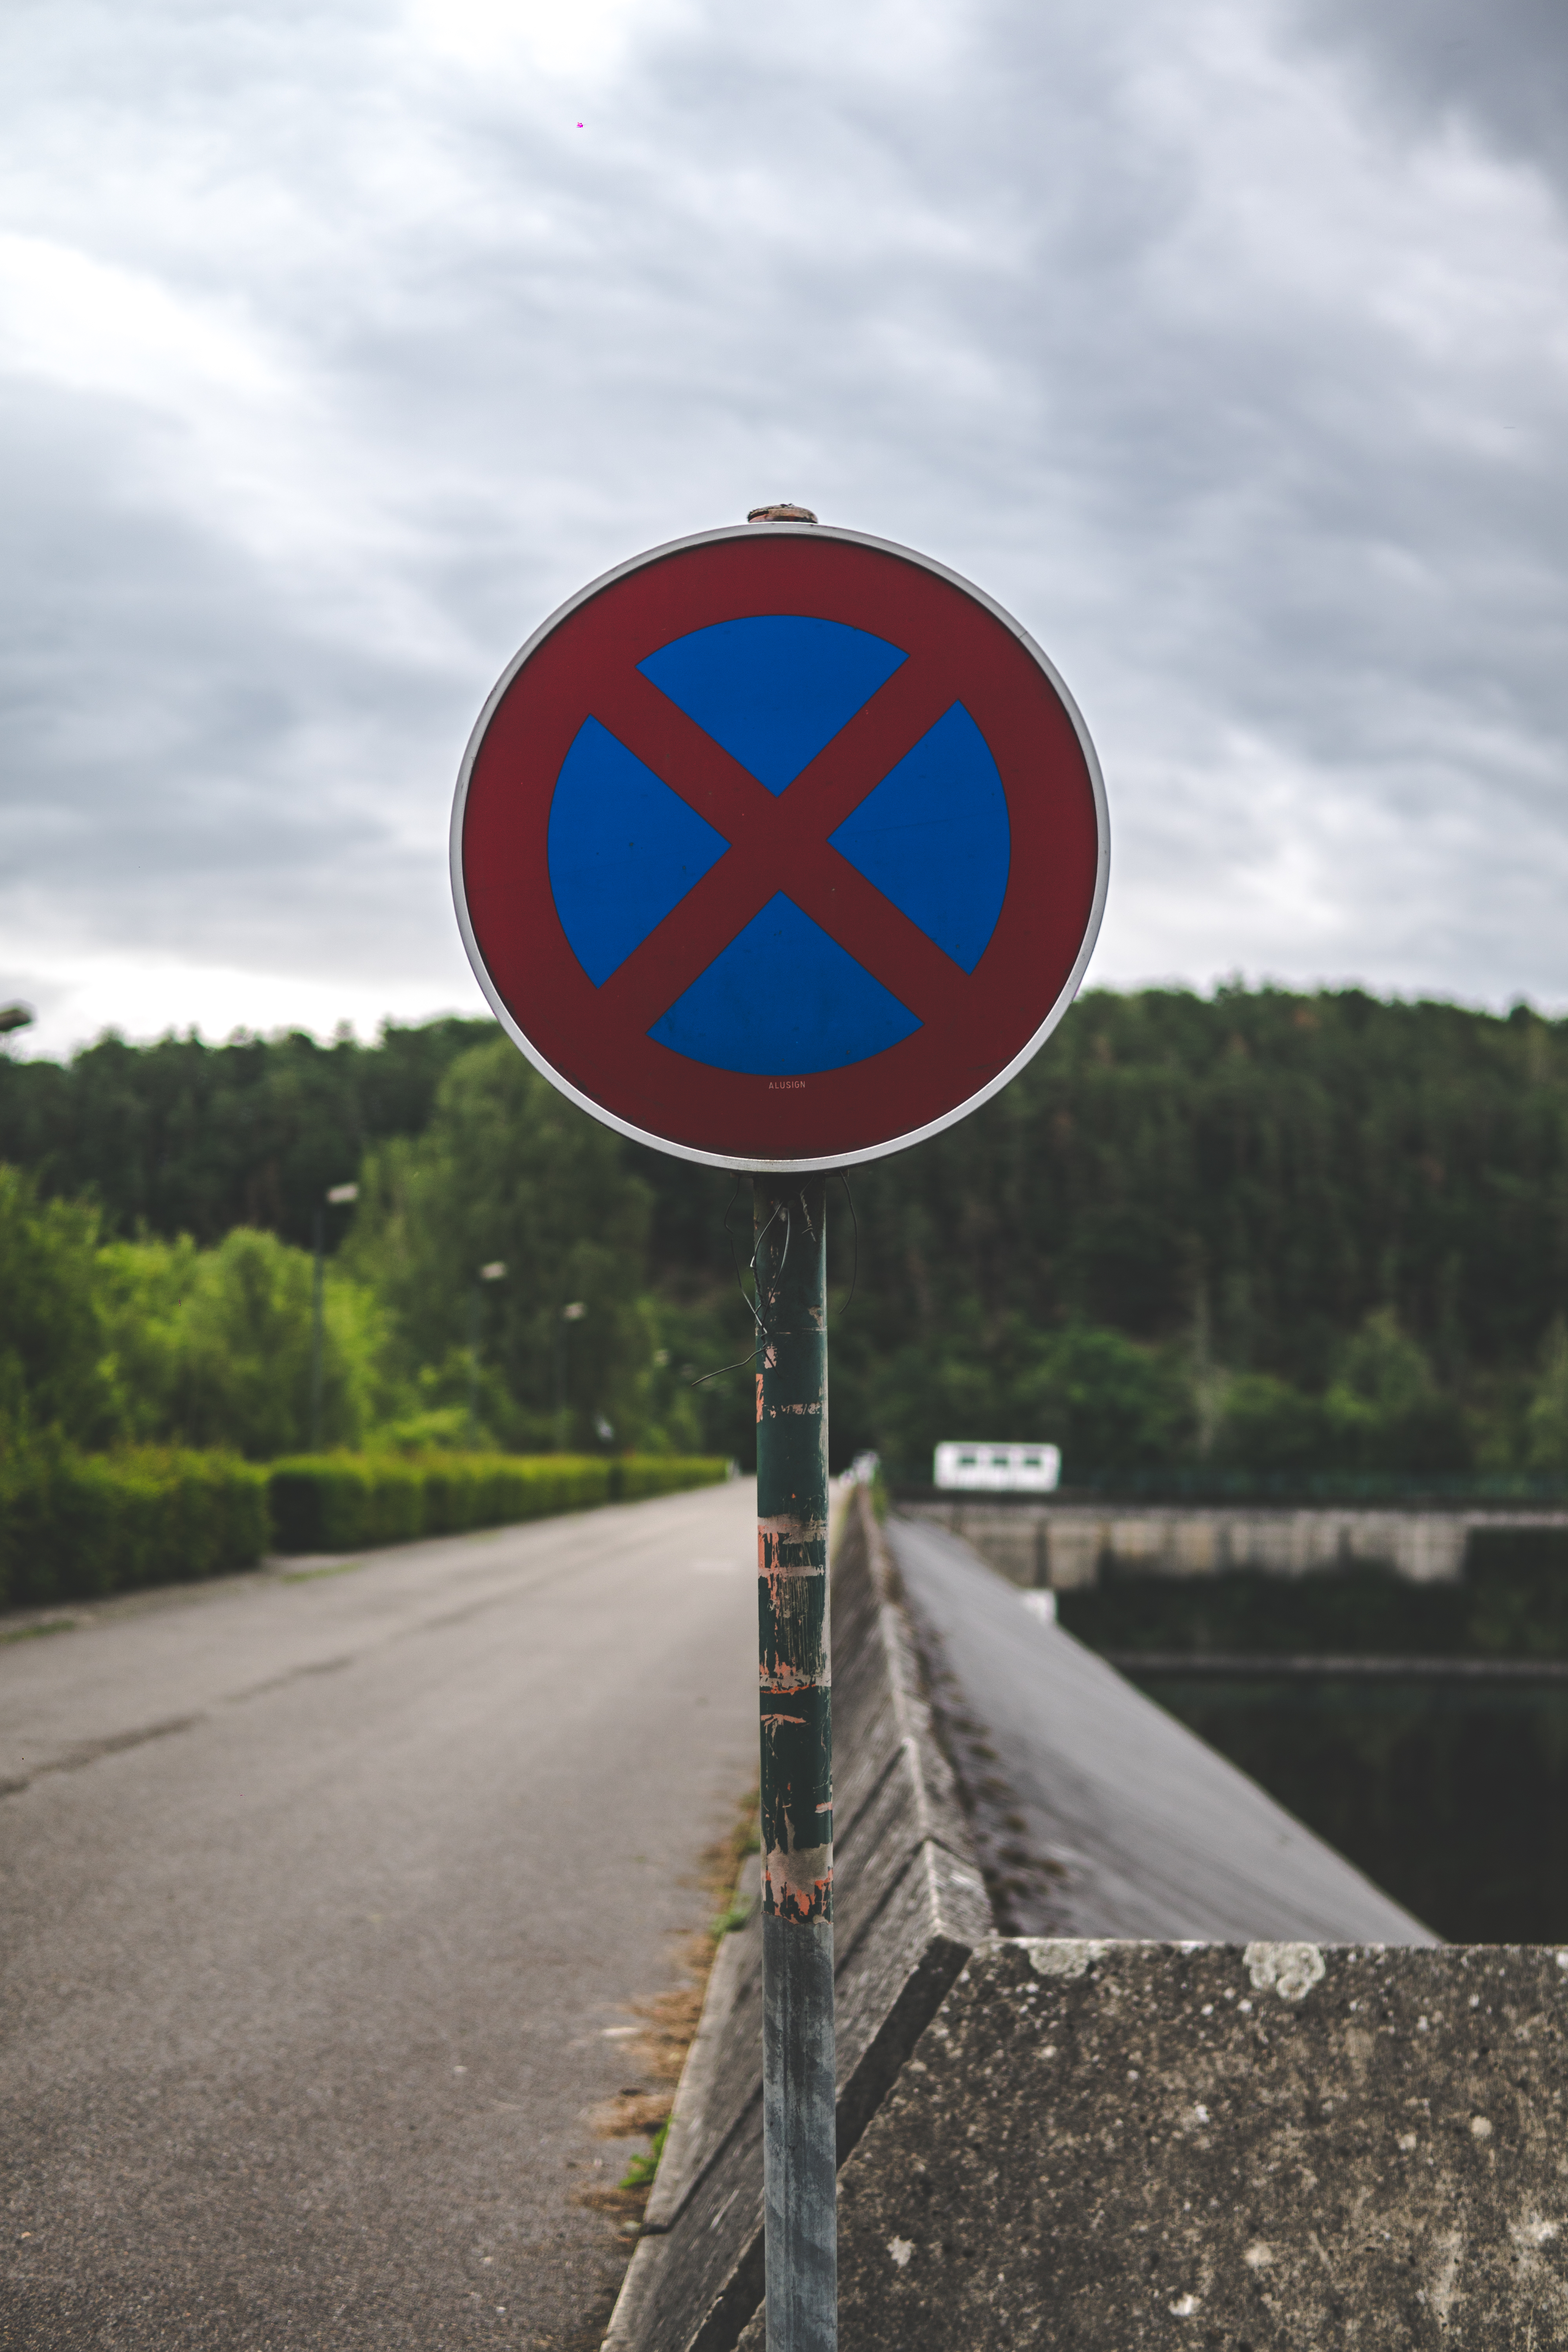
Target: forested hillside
{"type": "Point", "coordinates": [1283, 1232]}
{"type": "Point", "coordinates": [191, 1138]}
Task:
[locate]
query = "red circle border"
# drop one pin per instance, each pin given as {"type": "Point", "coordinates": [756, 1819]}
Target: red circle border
{"type": "Point", "coordinates": [975, 1030]}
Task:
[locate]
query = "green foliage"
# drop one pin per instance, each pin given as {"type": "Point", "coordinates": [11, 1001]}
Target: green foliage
{"type": "Point", "coordinates": [1244, 1181]}
{"type": "Point", "coordinates": [339, 1502]}
{"type": "Point", "coordinates": [1547, 1421]}
{"type": "Point", "coordinates": [74, 1526]}
{"type": "Point", "coordinates": [510, 1172]}
{"type": "Point", "coordinates": [640, 2171]}
{"type": "Point", "coordinates": [183, 1137]}
{"type": "Point", "coordinates": [51, 1378]}
{"type": "Point", "coordinates": [1106, 1401]}
{"type": "Point", "coordinates": [1287, 1164]}
{"type": "Point", "coordinates": [1274, 1235]}
{"type": "Point", "coordinates": [1383, 1412]}
{"type": "Point", "coordinates": [1264, 1423]}
{"type": "Point", "coordinates": [635, 1477]}
{"type": "Point", "coordinates": [213, 1347]}
{"type": "Point", "coordinates": [160, 1343]}
{"type": "Point", "coordinates": [437, 1429]}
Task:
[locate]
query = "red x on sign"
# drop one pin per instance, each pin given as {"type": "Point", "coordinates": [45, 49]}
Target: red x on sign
{"type": "Point", "coordinates": [780, 847]}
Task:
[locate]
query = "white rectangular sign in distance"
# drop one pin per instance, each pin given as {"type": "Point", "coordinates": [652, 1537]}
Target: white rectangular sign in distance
{"type": "Point", "coordinates": [997, 1469]}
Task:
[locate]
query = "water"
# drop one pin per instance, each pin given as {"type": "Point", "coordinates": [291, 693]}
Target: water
{"type": "Point", "coordinates": [1452, 1796]}
{"type": "Point", "coordinates": [1454, 1801]}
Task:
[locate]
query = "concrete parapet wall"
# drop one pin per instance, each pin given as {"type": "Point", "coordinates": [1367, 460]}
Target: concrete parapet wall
{"type": "Point", "coordinates": [1112, 2146]}
{"type": "Point", "coordinates": [909, 1906]}
{"type": "Point", "coordinates": [1109, 2146]}
{"type": "Point", "coordinates": [1094, 1812]}
{"type": "Point", "coordinates": [1065, 1545]}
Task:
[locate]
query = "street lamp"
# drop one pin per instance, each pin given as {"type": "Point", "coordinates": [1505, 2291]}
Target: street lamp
{"type": "Point", "coordinates": [337, 1196]}
{"type": "Point", "coordinates": [494, 1272]}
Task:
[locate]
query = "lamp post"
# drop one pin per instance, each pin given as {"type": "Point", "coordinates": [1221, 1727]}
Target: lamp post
{"type": "Point", "coordinates": [338, 1196]}
{"type": "Point", "coordinates": [574, 1313]}
{"type": "Point", "coordinates": [494, 1272]}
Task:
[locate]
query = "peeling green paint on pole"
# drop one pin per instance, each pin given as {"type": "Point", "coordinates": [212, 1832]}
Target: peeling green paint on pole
{"type": "Point", "coordinates": [796, 1736]}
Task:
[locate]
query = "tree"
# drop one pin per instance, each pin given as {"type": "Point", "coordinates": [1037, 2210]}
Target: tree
{"type": "Point", "coordinates": [52, 1380]}
{"type": "Point", "coordinates": [510, 1172]}
{"type": "Point", "coordinates": [180, 1137]}
{"type": "Point", "coordinates": [1547, 1419]}
{"type": "Point", "coordinates": [1385, 1411]}
{"type": "Point", "coordinates": [213, 1347]}
{"type": "Point", "coordinates": [1108, 1402]}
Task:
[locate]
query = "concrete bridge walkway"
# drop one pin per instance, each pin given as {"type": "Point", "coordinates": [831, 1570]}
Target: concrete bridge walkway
{"type": "Point", "coordinates": [321, 1899]}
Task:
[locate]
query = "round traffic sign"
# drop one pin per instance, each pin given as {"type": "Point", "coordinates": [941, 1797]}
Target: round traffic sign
{"type": "Point", "coordinates": [780, 847]}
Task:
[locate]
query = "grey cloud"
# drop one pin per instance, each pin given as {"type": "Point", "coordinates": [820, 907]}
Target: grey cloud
{"type": "Point", "coordinates": [1502, 68]}
{"type": "Point", "coordinates": [159, 723]}
{"type": "Point", "coordinates": [1041, 294]}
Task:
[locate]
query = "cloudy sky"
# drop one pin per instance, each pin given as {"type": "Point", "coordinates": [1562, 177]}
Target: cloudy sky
{"type": "Point", "coordinates": [1223, 340]}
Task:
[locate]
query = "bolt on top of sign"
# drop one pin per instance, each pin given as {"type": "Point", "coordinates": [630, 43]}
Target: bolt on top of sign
{"type": "Point", "coordinates": [780, 847]}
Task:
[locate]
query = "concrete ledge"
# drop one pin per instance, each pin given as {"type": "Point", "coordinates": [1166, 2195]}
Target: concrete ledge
{"type": "Point", "coordinates": [1113, 2146]}
{"type": "Point", "coordinates": [909, 1906]}
{"type": "Point", "coordinates": [1109, 2146]}
{"type": "Point", "coordinates": [701, 2097]}
{"type": "Point", "coordinates": [1093, 1812]}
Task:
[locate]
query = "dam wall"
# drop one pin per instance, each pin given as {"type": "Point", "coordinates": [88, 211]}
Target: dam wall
{"type": "Point", "coordinates": [1066, 1545]}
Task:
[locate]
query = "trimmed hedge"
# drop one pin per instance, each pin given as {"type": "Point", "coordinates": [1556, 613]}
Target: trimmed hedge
{"type": "Point", "coordinates": [339, 1502]}
{"type": "Point", "coordinates": [636, 1475]}
{"type": "Point", "coordinates": [74, 1526]}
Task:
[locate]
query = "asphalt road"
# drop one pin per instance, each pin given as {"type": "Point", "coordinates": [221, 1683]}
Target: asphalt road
{"type": "Point", "coordinates": [321, 1901]}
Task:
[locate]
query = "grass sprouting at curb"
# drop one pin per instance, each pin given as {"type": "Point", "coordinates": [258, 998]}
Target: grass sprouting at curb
{"type": "Point", "coordinates": [672, 2017]}
{"type": "Point", "coordinates": [640, 2171]}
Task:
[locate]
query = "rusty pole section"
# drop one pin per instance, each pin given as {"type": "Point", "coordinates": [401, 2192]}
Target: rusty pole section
{"type": "Point", "coordinates": [798, 2162]}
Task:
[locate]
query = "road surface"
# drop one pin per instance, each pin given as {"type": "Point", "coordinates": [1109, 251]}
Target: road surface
{"type": "Point", "coordinates": [323, 1896]}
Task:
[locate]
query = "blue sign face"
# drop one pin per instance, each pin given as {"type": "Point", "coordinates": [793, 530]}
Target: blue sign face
{"type": "Point", "coordinates": [932, 836]}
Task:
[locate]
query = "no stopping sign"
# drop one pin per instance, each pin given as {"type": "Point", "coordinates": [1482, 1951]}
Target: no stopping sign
{"type": "Point", "coordinates": [780, 847]}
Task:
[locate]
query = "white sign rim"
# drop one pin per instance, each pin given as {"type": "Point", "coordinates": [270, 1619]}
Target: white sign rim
{"type": "Point", "coordinates": [745, 1163]}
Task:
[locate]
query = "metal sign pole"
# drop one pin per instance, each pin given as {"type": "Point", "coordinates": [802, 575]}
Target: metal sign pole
{"type": "Point", "coordinates": [783, 747]}
{"type": "Point", "coordinates": [799, 2169]}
